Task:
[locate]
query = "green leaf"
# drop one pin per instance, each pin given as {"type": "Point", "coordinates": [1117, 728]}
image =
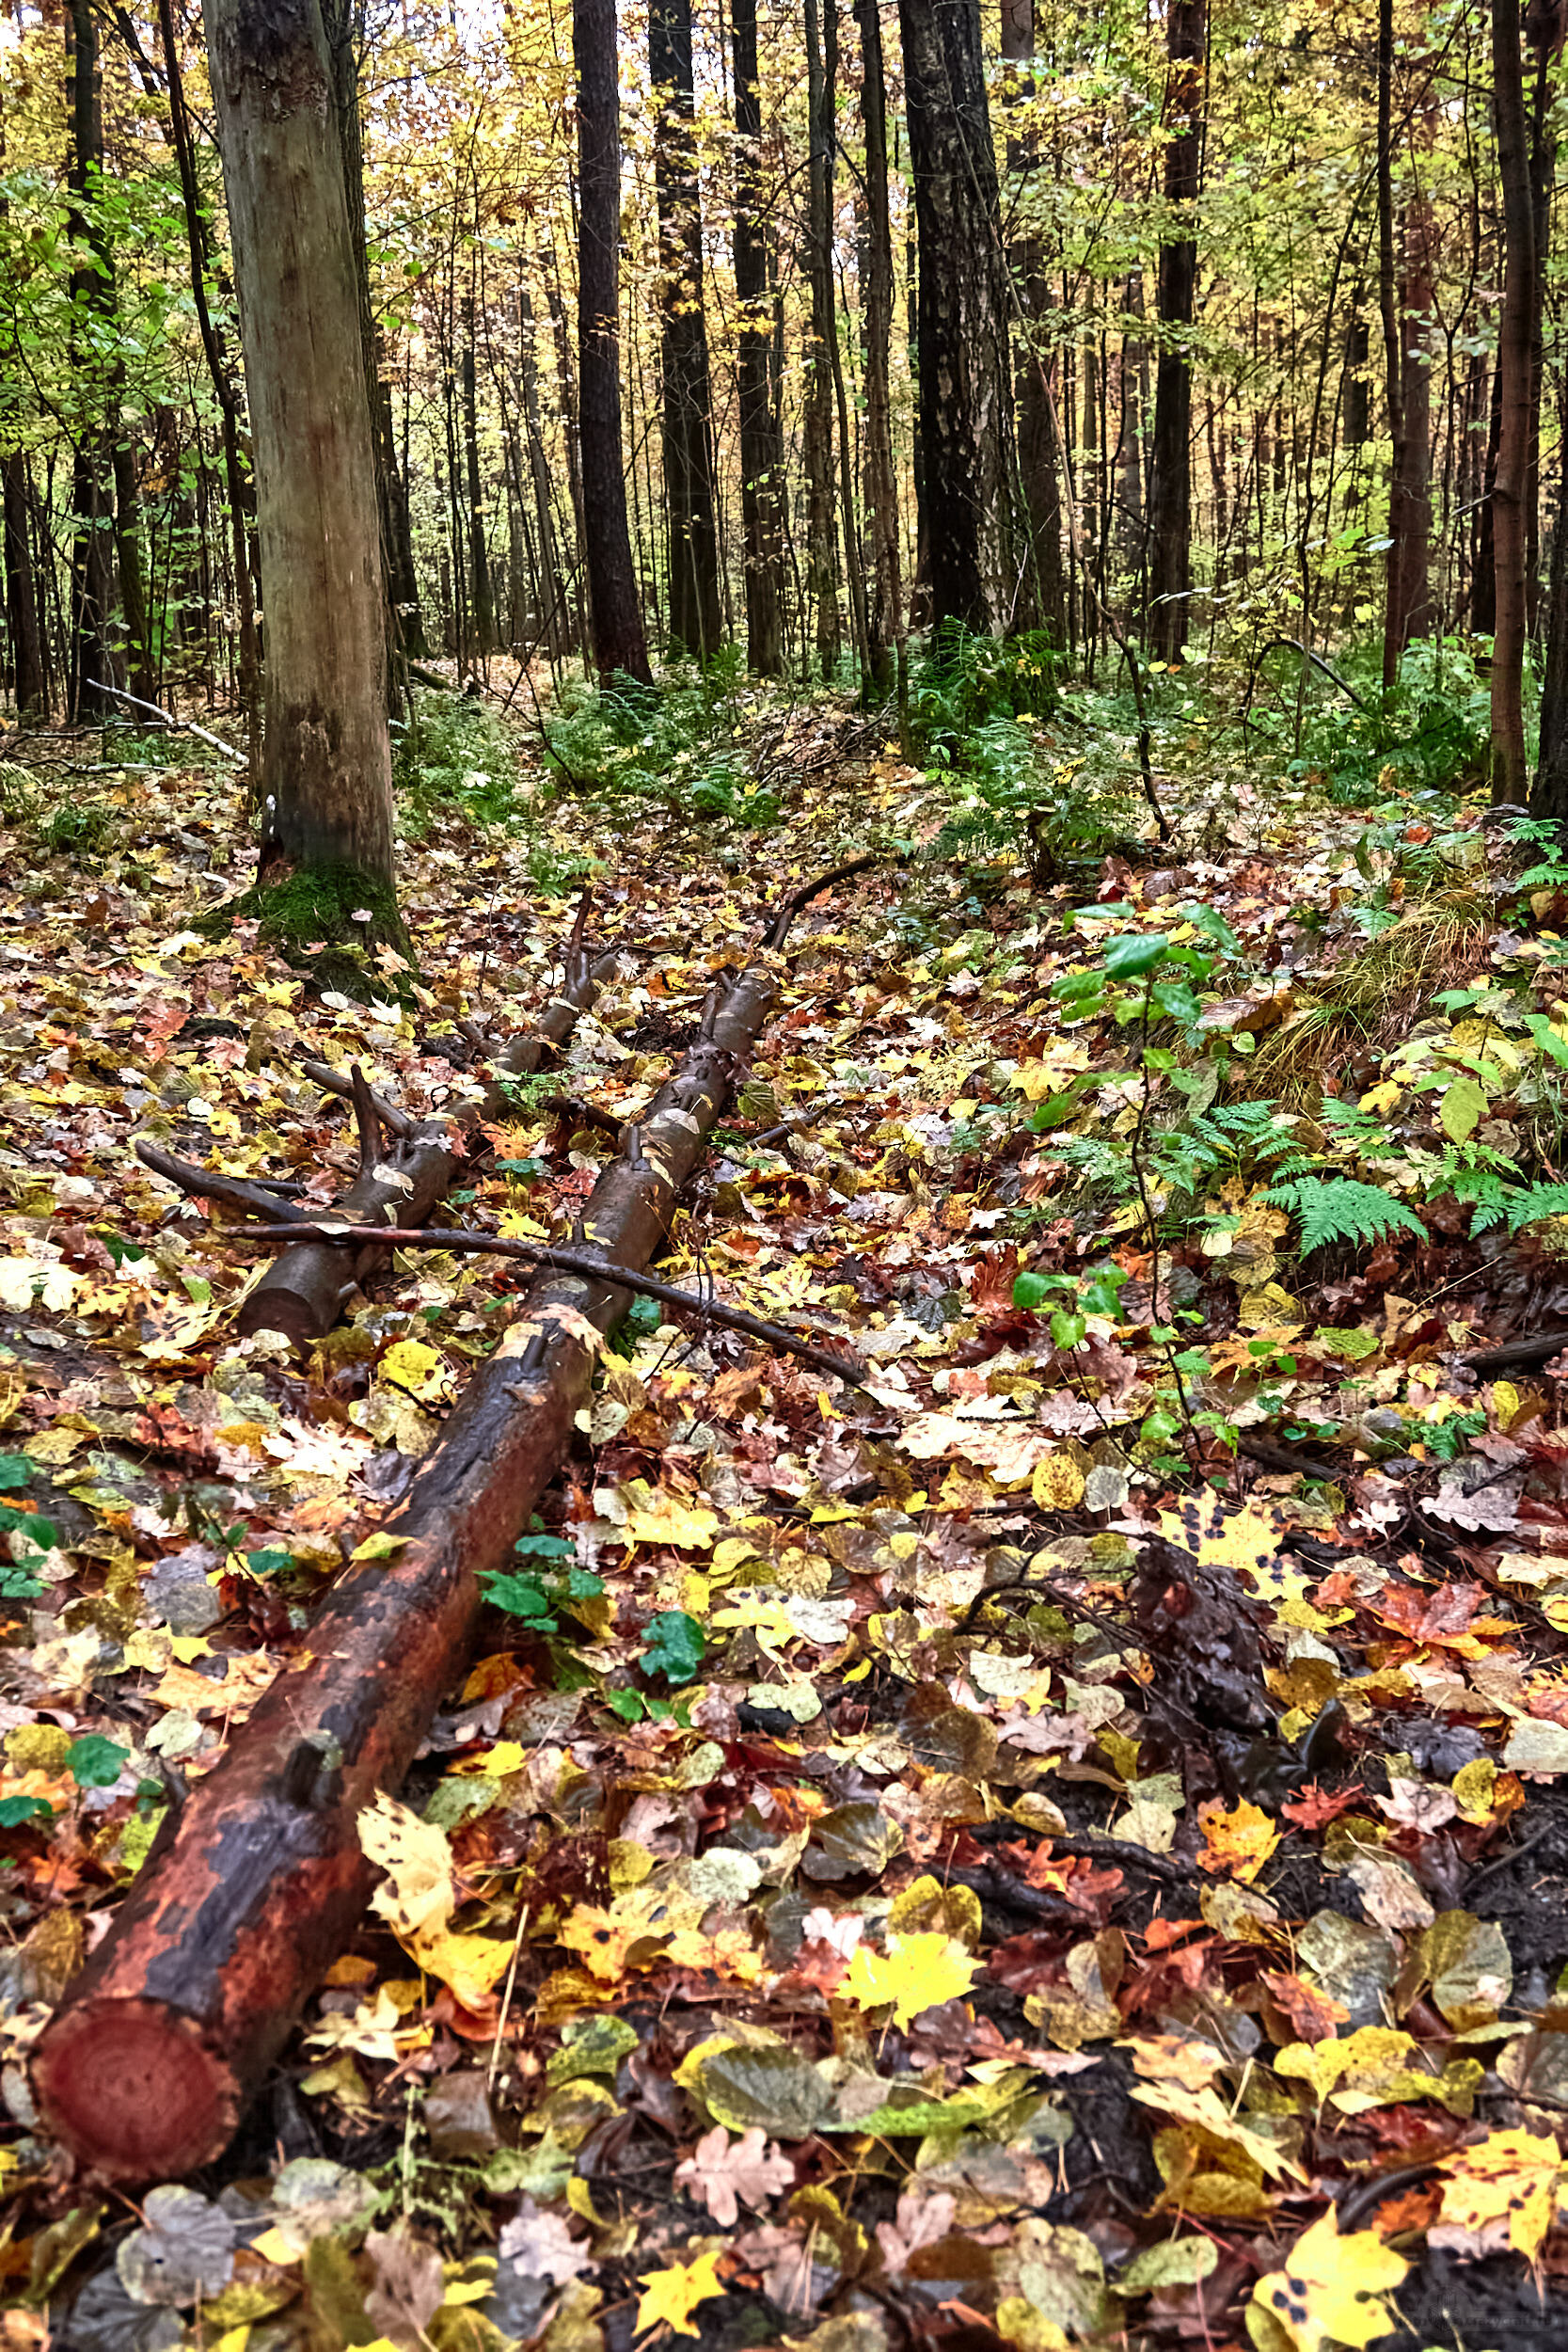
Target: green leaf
{"type": "Point", "coordinates": [15, 1469]}
{"type": "Point", "coordinates": [544, 1548]}
{"type": "Point", "coordinates": [94, 1762]}
{"type": "Point", "coordinates": [1134, 953]}
{"type": "Point", "coordinates": [269, 1563]}
{"type": "Point", "coordinates": [1463, 1106]}
{"type": "Point", "coordinates": [521, 1596]}
{"type": "Point", "coordinates": [627, 1704]}
{"type": "Point", "coordinates": [1176, 999]}
{"type": "Point", "coordinates": [675, 1645]}
{"type": "Point", "coordinates": [15, 1810]}
{"type": "Point", "coordinates": [1032, 1290]}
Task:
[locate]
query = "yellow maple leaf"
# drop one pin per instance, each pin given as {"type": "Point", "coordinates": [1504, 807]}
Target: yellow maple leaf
{"type": "Point", "coordinates": [671, 2295]}
{"type": "Point", "coordinates": [1514, 2173]}
{"type": "Point", "coordinates": [918, 1973]}
{"type": "Point", "coordinates": [470, 1965]}
{"type": "Point", "coordinates": [1239, 1841]}
{"type": "Point", "coordinates": [728, 1952]}
{"type": "Point", "coordinates": [1330, 2289]}
{"type": "Point", "coordinates": [419, 1897]}
{"type": "Point", "coordinates": [655, 1516]}
{"type": "Point", "coordinates": [422, 1371]}
{"type": "Point", "coordinates": [605, 1938]}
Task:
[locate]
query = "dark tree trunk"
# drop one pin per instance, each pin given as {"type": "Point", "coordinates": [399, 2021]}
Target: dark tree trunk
{"type": "Point", "coordinates": [885, 604]}
{"type": "Point", "coordinates": [1409, 609]}
{"type": "Point", "coordinates": [686, 403]}
{"type": "Point", "coordinates": [817, 428]}
{"type": "Point", "coordinates": [1514, 338]}
{"type": "Point", "coordinates": [1483, 584]}
{"type": "Point", "coordinates": [1549, 793]}
{"type": "Point", "coordinates": [1544, 28]}
{"type": "Point", "coordinates": [1042, 594]}
{"type": "Point", "coordinates": [28, 684]}
{"type": "Point", "coordinates": [616, 617]}
{"type": "Point", "coordinates": [326, 775]}
{"type": "Point", "coordinates": [761, 469]}
{"type": "Point", "coordinates": [1357, 401]}
{"type": "Point", "coordinates": [1170, 453]}
{"type": "Point", "coordinates": [556, 621]}
{"type": "Point", "coordinates": [965, 361]}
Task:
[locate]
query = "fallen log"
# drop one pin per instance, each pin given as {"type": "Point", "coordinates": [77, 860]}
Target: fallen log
{"type": "Point", "coordinates": [259, 1882]}
{"type": "Point", "coordinates": [303, 1294]}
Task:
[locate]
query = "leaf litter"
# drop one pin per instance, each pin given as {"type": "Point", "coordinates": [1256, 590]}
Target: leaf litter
{"type": "Point", "coordinates": [1061, 1845]}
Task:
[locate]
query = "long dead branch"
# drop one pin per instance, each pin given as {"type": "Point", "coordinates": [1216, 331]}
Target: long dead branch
{"type": "Point", "coordinates": [583, 1261]}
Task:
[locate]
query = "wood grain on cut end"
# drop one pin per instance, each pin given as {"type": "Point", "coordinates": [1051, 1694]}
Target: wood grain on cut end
{"type": "Point", "coordinates": [132, 2089]}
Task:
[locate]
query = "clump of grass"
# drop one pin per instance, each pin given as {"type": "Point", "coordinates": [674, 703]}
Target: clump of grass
{"type": "Point", "coordinates": [79, 829]}
{"type": "Point", "coordinates": [453, 760]}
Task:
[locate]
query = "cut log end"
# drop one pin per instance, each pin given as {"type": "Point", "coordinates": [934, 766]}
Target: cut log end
{"type": "Point", "coordinates": [132, 2089]}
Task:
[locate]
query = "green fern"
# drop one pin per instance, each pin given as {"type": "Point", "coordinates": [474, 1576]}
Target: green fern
{"type": "Point", "coordinates": [1336, 1208]}
{"type": "Point", "coordinates": [1532, 1207]}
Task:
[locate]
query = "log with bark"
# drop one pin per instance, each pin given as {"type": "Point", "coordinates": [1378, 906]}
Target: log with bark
{"type": "Point", "coordinates": [257, 1882]}
{"type": "Point", "coordinates": [304, 1293]}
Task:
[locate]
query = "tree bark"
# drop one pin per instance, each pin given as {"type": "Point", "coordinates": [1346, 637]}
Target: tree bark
{"type": "Point", "coordinates": [761, 468]}
{"type": "Point", "coordinates": [817, 427]}
{"type": "Point", "coordinates": [615, 616]}
{"type": "Point", "coordinates": [1513, 368]}
{"type": "Point", "coordinates": [481, 588]}
{"type": "Point", "coordinates": [326, 768]}
{"type": "Point", "coordinates": [556, 621]}
{"type": "Point", "coordinates": [146, 2066]}
{"type": "Point", "coordinates": [1042, 592]}
{"type": "Point", "coordinates": [91, 664]}
{"type": "Point", "coordinates": [885, 637]}
{"type": "Point", "coordinates": [687, 402]}
{"type": "Point", "coordinates": [965, 361]}
{"type": "Point", "coordinates": [1170, 452]}
{"type": "Point", "coordinates": [28, 684]}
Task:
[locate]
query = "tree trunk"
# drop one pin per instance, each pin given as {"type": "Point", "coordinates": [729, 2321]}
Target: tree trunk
{"type": "Point", "coordinates": [91, 664]}
{"type": "Point", "coordinates": [761, 469]}
{"type": "Point", "coordinates": [28, 684]}
{"type": "Point", "coordinates": [480, 589]}
{"type": "Point", "coordinates": [326, 770]}
{"type": "Point", "coordinates": [1170, 452]}
{"type": "Point", "coordinates": [1513, 368]}
{"type": "Point", "coordinates": [965, 361]}
{"type": "Point", "coordinates": [1549, 793]}
{"type": "Point", "coordinates": [1042, 594]}
{"type": "Point", "coordinates": [556, 621]}
{"type": "Point", "coordinates": [615, 616]}
{"type": "Point", "coordinates": [817, 428]}
{"type": "Point", "coordinates": [1409, 608]}
{"type": "Point", "coordinates": [686, 403]}
{"type": "Point", "coordinates": [885, 604]}
{"type": "Point", "coordinates": [1544, 28]}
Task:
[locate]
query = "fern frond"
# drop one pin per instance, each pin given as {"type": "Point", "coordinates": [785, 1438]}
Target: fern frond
{"type": "Point", "coordinates": [1336, 1208]}
{"type": "Point", "coordinates": [1534, 1206]}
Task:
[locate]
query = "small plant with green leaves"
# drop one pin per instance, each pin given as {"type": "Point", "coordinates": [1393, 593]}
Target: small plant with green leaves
{"type": "Point", "coordinates": [534, 1595]}
{"type": "Point", "coordinates": [18, 1577]}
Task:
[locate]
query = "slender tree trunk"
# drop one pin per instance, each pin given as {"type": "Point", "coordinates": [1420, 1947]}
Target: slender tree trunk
{"type": "Point", "coordinates": [557, 621]}
{"type": "Point", "coordinates": [1483, 584]}
{"type": "Point", "coordinates": [1513, 366]}
{"type": "Point", "coordinates": [818, 431]}
{"type": "Point", "coordinates": [885, 605]}
{"type": "Point", "coordinates": [965, 357]}
{"type": "Point", "coordinates": [481, 588]}
{"type": "Point", "coordinates": [1409, 611]}
{"type": "Point", "coordinates": [219, 369]}
{"type": "Point", "coordinates": [567, 393]}
{"type": "Point", "coordinates": [92, 665]}
{"type": "Point", "coordinates": [1042, 594]}
{"type": "Point", "coordinates": [686, 403]}
{"type": "Point", "coordinates": [619, 642]}
{"type": "Point", "coordinates": [1549, 793]}
{"type": "Point", "coordinates": [326, 774]}
{"type": "Point", "coordinates": [1170, 456]}
{"type": "Point", "coordinates": [761, 470]}
{"type": "Point", "coordinates": [1544, 28]}
{"type": "Point", "coordinates": [28, 684]}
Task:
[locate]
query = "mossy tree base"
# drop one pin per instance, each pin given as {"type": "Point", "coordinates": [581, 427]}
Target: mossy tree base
{"type": "Point", "coordinates": [326, 921]}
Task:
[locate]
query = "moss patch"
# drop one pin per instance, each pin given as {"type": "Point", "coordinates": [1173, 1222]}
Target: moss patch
{"type": "Point", "coordinates": [315, 917]}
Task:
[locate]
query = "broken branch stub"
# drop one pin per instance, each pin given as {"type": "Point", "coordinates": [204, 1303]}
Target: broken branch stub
{"type": "Point", "coordinates": [145, 2067]}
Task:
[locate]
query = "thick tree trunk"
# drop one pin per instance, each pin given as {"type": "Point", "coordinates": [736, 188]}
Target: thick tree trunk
{"type": "Point", "coordinates": [817, 428]}
{"type": "Point", "coordinates": [147, 2064]}
{"type": "Point", "coordinates": [761, 471]}
{"type": "Point", "coordinates": [327, 772]}
{"type": "Point", "coordinates": [615, 616]}
{"type": "Point", "coordinates": [965, 361]}
{"type": "Point", "coordinates": [28, 684]}
{"type": "Point", "coordinates": [885, 604]}
{"type": "Point", "coordinates": [687, 402]}
{"type": "Point", "coordinates": [1515, 334]}
{"type": "Point", "coordinates": [1170, 477]}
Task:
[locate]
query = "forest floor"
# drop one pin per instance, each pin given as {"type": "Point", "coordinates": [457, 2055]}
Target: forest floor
{"type": "Point", "coordinates": [1079, 1858]}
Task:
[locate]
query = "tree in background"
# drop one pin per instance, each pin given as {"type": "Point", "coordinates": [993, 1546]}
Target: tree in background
{"type": "Point", "coordinates": [687, 405]}
{"type": "Point", "coordinates": [615, 616]}
{"type": "Point", "coordinates": [1515, 338]}
{"type": "Point", "coordinates": [327, 762]}
{"type": "Point", "coordinates": [1170, 456]}
{"type": "Point", "coordinates": [761, 473]}
{"type": "Point", "coordinates": [965, 363]}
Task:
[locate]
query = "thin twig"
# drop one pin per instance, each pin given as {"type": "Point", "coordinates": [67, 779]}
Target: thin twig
{"type": "Point", "coordinates": [586, 1114]}
{"type": "Point", "coordinates": [579, 1261]}
{"type": "Point", "coordinates": [180, 726]}
{"type": "Point", "coordinates": [321, 1073]}
{"type": "Point", "coordinates": [207, 1184]}
{"type": "Point", "coordinates": [365, 1120]}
